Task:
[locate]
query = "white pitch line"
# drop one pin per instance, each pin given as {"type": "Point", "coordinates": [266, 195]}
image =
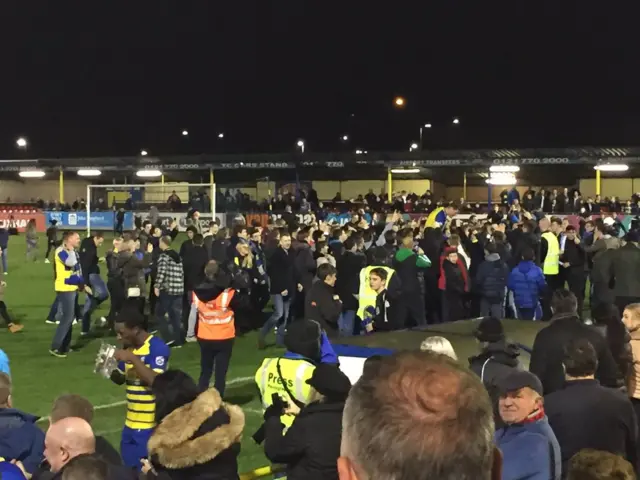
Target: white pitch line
{"type": "Point", "coordinates": [233, 381]}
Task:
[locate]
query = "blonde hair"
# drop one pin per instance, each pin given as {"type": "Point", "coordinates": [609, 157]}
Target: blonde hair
{"type": "Point", "coordinates": [438, 345]}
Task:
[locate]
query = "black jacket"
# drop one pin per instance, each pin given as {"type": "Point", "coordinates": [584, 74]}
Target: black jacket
{"type": "Point", "coordinates": [199, 440]}
{"type": "Point", "coordinates": [585, 414]}
{"type": "Point", "coordinates": [348, 281]}
{"type": "Point", "coordinates": [304, 264]}
{"type": "Point", "coordinates": [88, 257]}
{"type": "Point", "coordinates": [311, 446]}
{"type": "Point", "coordinates": [193, 262]}
{"type": "Point", "coordinates": [492, 364]}
{"type": "Point", "coordinates": [386, 311]}
{"type": "Point", "coordinates": [116, 471]}
{"type": "Point", "coordinates": [281, 271]}
{"type": "Point", "coordinates": [624, 268]}
{"type": "Point", "coordinates": [548, 352]}
{"type": "Point", "coordinates": [219, 251]}
{"type": "Point", "coordinates": [321, 307]}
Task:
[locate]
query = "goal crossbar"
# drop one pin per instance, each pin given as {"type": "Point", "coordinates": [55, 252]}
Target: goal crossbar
{"type": "Point", "coordinates": [211, 186]}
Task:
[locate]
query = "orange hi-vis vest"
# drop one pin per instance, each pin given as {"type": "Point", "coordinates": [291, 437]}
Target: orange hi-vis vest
{"type": "Point", "coordinates": [216, 321]}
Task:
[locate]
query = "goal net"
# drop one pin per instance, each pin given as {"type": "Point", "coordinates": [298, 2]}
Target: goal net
{"type": "Point", "coordinates": [126, 206]}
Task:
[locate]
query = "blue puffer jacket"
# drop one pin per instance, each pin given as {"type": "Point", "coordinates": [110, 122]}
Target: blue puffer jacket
{"type": "Point", "coordinates": [527, 283]}
{"type": "Point", "coordinates": [491, 278]}
{"type": "Point", "coordinates": [530, 451]}
{"type": "Point", "coordinates": [20, 438]}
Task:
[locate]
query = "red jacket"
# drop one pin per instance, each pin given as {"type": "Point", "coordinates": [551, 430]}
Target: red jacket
{"type": "Point", "coordinates": [442, 280]}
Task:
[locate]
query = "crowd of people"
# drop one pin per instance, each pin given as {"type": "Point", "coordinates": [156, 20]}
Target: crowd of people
{"type": "Point", "coordinates": [411, 415]}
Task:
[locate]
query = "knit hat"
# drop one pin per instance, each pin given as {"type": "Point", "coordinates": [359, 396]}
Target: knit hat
{"type": "Point", "coordinates": [303, 338]}
{"type": "Point", "coordinates": [330, 381]}
{"type": "Point", "coordinates": [489, 330]}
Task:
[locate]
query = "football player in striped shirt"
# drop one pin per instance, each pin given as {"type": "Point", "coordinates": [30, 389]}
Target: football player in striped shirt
{"type": "Point", "coordinates": [142, 358]}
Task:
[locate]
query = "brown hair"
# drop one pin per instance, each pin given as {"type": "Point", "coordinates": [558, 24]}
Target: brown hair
{"type": "Point", "coordinates": [591, 464]}
{"type": "Point", "coordinates": [66, 406]}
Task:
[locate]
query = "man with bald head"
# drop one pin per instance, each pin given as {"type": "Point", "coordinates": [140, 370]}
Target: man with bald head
{"type": "Point", "coordinates": [72, 438]}
{"type": "Point", "coordinates": [418, 415]}
{"type": "Point", "coordinates": [67, 439]}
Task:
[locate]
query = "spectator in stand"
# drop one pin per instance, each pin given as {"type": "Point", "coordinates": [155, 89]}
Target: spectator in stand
{"type": "Point", "coordinates": [528, 445]}
{"type": "Point", "coordinates": [513, 195]}
{"type": "Point", "coordinates": [411, 415]}
{"type": "Point", "coordinates": [173, 202]}
{"type": "Point", "coordinates": [208, 443]}
{"type": "Point", "coordinates": [491, 283]}
{"type": "Point", "coordinates": [68, 406]}
{"type": "Point", "coordinates": [496, 359]}
{"type": "Point", "coordinates": [454, 284]}
{"type": "Point", "coordinates": [283, 285]}
{"type": "Point", "coordinates": [20, 438]}
{"type": "Point", "coordinates": [323, 304]}
{"type": "Point", "coordinates": [550, 342]}
{"type": "Point", "coordinates": [585, 414]}
{"type": "Point", "coordinates": [348, 269]}
{"type": "Point", "coordinates": [169, 288]}
{"type": "Point", "coordinates": [311, 446]}
{"type": "Point", "coordinates": [595, 465]}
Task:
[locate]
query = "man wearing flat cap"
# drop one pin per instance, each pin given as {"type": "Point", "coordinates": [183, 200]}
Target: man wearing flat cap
{"type": "Point", "coordinates": [529, 447]}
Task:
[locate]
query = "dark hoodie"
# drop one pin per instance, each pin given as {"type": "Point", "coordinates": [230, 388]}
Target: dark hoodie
{"type": "Point", "coordinates": [20, 438]}
{"type": "Point", "coordinates": [200, 440]}
{"type": "Point", "coordinates": [491, 278]}
{"type": "Point", "coordinates": [492, 364]}
{"type": "Point", "coordinates": [304, 265]}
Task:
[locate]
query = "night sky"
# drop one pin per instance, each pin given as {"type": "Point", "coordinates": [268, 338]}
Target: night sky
{"type": "Point", "coordinates": [89, 81]}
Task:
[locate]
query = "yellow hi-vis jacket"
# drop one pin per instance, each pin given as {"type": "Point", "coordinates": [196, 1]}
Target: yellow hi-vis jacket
{"type": "Point", "coordinates": [551, 263]}
{"type": "Point", "coordinates": [367, 296]}
{"type": "Point", "coordinates": [63, 273]}
{"type": "Point", "coordinates": [295, 372]}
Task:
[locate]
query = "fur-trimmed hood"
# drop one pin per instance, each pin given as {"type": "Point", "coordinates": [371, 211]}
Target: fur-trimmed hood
{"type": "Point", "coordinates": [197, 432]}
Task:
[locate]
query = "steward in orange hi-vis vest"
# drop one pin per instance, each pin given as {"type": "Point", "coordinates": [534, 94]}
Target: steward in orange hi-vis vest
{"type": "Point", "coordinates": [216, 319]}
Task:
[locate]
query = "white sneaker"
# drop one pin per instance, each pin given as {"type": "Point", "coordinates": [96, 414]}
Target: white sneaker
{"type": "Point", "coordinates": [6, 273]}
{"type": "Point", "coordinates": [46, 260]}
{"type": "Point", "coordinates": [191, 339]}
{"type": "Point", "coordinates": [75, 321]}
{"type": "Point", "coordinates": [52, 322]}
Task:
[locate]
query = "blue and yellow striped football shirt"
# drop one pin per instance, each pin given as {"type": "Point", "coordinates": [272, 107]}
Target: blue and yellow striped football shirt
{"type": "Point", "coordinates": [141, 403]}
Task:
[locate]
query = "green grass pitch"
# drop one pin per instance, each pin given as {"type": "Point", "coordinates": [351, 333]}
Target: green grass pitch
{"type": "Point", "coordinates": [39, 378]}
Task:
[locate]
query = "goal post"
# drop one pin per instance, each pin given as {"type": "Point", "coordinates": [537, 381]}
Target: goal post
{"type": "Point", "coordinates": [172, 200]}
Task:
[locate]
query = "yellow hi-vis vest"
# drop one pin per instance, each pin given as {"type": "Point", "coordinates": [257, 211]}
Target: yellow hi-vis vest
{"type": "Point", "coordinates": [295, 372]}
{"type": "Point", "coordinates": [62, 273]}
{"type": "Point", "coordinates": [366, 295]}
{"type": "Point", "coordinates": [551, 265]}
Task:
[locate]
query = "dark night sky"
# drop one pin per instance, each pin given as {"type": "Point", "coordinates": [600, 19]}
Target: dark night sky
{"type": "Point", "coordinates": [111, 80]}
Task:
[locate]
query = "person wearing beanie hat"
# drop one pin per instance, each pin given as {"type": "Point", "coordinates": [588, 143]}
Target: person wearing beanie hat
{"type": "Point", "coordinates": [497, 358]}
{"type": "Point", "coordinates": [311, 446]}
{"type": "Point", "coordinates": [286, 377]}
